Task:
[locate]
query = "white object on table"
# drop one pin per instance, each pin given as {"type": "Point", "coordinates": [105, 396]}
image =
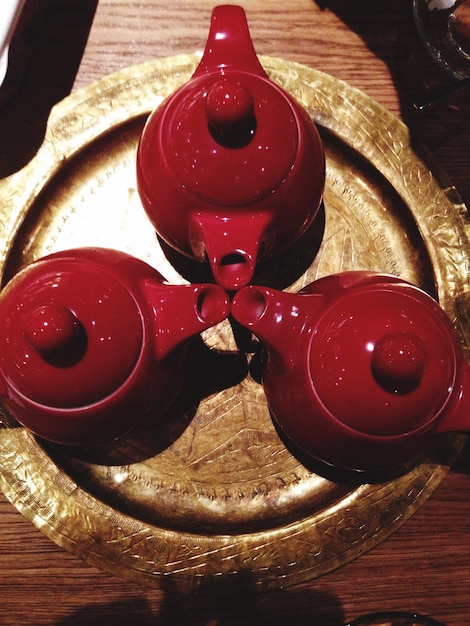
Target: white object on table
{"type": "Point", "coordinates": [440, 4]}
{"type": "Point", "coordinates": [10, 11]}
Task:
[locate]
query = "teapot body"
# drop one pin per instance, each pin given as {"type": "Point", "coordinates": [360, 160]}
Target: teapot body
{"type": "Point", "coordinates": [361, 370]}
{"type": "Point", "coordinates": [230, 168]}
{"type": "Point", "coordinates": [88, 348]}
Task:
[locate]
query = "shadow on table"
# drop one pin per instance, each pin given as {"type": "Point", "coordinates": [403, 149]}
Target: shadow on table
{"type": "Point", "coordinates": [212, 606]}
{"type": "Point", "coordinates": [462, 464]}
{"type": "Point", "coordinates": [387, 28]}
{"type": "Point", "coordinates": [44, 58]}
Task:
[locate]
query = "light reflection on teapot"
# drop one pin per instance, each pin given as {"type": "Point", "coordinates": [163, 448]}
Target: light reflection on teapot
{"type": "Point", "coordinates": [92, 343]}
{"type": "Point", "coordinates": [361, 370]}
{"type": "Point", "coordinates": [230, 168]}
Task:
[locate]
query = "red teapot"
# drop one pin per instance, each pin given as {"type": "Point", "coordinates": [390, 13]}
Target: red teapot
{"type": "Point", "coordinates": [361, 370]}
{"type": "Point", "coordinates": [92, 343]}
{"type": "Point", "coordinates": [230, 168]}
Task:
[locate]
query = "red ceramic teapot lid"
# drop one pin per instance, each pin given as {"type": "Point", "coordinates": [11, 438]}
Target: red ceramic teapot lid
{"type": "Point", "coordinates": [71, 333]}
{"type": "Point", "coordinates": [230, 138]}
{"type": "Point", "coordinates": [383, 360]}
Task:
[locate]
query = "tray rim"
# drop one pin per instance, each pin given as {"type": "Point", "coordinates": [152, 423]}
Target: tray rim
{"type": "Point", "coordinates": [58, 148]}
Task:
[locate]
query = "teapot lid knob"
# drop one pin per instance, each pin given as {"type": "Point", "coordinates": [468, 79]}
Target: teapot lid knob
{"type": "Point", "coordinates": [398, 362]}
{"type": "Point", "coordinates": [229, 109]}
{"type": "Point", "coordinates": [51, 328]}
{"type": "Point", "coordinates": [62, 342]}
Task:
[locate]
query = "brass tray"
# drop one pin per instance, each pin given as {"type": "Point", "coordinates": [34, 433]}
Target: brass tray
{"type": "Point", "coordinates": [212, 495]}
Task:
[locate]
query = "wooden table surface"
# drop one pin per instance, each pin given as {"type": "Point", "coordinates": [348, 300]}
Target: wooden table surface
{"type": "Point", "coordinates": [425, 565]}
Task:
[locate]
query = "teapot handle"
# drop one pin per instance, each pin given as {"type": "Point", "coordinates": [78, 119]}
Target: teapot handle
{"type": "Point", "coordinates": [229, 43]}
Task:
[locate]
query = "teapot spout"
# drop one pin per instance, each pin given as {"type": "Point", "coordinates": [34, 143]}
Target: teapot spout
{"type": "Point", "coordinates": [232, 245]}
{"type": "Point", "coordinates": [183, 311]}
{"type": "Point", "coordinates": [279, 319]}
{"type": "Point", "coordinates": [229, 43]}
{"type": "Point", "coordinates": [457, 415]}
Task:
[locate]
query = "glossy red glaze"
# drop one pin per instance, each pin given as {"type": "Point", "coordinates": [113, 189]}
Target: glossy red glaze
{"type": "Point", "coordinates": [362, 369]}
{"type": "Point", "coordinates": [92, 343]}
{"type": "Point", "coordinates": [230, 168]}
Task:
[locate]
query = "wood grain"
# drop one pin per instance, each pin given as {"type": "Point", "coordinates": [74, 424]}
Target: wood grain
{"type": "Point", "coordinates": [372, 45]}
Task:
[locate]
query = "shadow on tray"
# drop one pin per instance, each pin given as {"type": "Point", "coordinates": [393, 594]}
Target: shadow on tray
{"type": "Point", "coordinates": [207, 371]}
